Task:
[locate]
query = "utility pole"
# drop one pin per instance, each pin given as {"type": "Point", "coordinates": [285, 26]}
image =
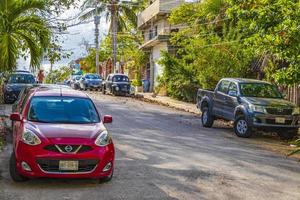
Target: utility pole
{"type": "Point", "coordinates": [114, 27]}
{"type": "Point", "coordinates": [97, 22]}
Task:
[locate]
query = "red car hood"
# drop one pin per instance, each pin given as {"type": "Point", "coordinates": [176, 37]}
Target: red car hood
{"type": "Point", "coordinates": [48, 130]}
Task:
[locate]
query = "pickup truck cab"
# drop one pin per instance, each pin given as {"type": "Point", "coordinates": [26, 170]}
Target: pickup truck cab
{"type": "Point", "coordinates": [252, 105]}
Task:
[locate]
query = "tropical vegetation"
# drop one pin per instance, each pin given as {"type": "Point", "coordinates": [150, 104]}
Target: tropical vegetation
{"type": "Point", "coordinates": [221, 38]}
{"type": "Point", "coordinates": [22, 31]}
{"type": "Point", "coordinates": [59, 75]}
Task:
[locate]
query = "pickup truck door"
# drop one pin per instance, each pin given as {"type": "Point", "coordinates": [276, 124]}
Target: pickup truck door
{"type": "Point", "coordinates": [220, 97]}
{"type": "Point", "coordinates": [231, 101]}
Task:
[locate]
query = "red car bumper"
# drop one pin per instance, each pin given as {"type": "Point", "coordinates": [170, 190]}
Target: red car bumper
{"type": "Point", "coordinates": [44, 162]}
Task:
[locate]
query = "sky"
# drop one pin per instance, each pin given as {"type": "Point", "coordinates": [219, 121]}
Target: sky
{"type": "Point", "coordinates": [72, 41]}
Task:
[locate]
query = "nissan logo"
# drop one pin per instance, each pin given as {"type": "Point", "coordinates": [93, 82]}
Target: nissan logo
{"type": "Point", "coordinates": [68, 148]}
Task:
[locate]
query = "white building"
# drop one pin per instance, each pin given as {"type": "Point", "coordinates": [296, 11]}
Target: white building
{"type": "Point", "coordinates": [153, 22]}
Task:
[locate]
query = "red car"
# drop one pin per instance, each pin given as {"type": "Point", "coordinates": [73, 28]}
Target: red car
{"type": "Point", "coordinates": [58, 133]}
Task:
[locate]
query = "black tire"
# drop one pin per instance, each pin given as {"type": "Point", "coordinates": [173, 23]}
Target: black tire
{"type": "Point", "coordinates": [107, 179]}
{"type": "Point", "coordinates": [113, 92]}
{"type": "Point", "coordinates": [207, 118]}
{"type": "Point", "coordinates": [242, 127]}
{"type": "Point", "coordinates": [103, 90]}
{"type": "Point", "coordinates": [288, 134]}
{"type": "Point", "coordinates": [16, 177]}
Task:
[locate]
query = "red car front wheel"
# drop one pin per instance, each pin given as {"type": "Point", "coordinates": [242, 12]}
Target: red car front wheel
{"type": "Point", "coordinates": [14, 171]}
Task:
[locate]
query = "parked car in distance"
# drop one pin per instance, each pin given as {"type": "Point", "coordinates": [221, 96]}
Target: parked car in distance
{"type": "Point", "coordinates": [90, 81]}
{"type": "Point", "coordinates": [116, 84]}
{"type": "Point", "coordinates": [58, 133]}
{"type": "Point", "coordinates": [252, 105]}
{"type": "Point", "coordinates": [15, 83]}
{"type": "Point", "coordinates": [75, 82]}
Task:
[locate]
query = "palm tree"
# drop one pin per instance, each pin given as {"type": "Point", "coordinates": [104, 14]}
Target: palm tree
{"type": "Point", "coordinates": [120, 14]}
{"type": "Point", "coordinates": [22, 31]}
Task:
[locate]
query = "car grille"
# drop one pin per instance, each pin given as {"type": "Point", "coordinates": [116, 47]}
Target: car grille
{"type": "Point", "coordinates": [62, 148]}
{"type": "Point", "coordinates": [280, 111]}
{"type": "Point", "coordinates": [272, 121]}
{"type": "Point", "coordinates": [52, 166]}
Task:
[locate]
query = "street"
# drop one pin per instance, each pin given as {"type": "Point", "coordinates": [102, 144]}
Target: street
{"type": "Point", "coordinates": [163, 153]}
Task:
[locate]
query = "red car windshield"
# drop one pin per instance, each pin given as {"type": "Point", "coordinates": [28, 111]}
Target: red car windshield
{"type": "Point", "coordinates": [62, 110]}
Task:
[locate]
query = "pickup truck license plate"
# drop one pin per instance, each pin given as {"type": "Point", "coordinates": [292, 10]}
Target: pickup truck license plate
{"type": "Point", "coordinates": [68, 165]}
{"type": "Point", "coordinates": [280, 120]}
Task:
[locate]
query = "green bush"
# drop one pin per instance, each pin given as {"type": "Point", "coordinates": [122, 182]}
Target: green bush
{"type": "Point", "coordinates": [137, 82]}
{"type": "Point", "coordinates": [297, 150]}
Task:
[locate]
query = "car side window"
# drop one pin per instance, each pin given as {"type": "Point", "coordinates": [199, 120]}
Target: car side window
{"type": "Point", "coordinates": [223, 87]}
{"type": "Point", "coordinates": [233, 87]}
{"type": "Point", "coordinates": [24, 101]}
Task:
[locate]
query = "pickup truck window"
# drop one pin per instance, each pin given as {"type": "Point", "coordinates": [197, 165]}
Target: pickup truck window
{"type": "Point", "coordinates": [262, 90]}
{"type": "Point", "coordinates": [233, 87]}
{"type": "Point", "coordinates": [223, 87]}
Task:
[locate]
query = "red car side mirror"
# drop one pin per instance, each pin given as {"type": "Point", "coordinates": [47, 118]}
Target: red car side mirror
{"type": "Point", "coordinates": [15, 117]}
{"type": "Point", "coordinates": [107, 119]}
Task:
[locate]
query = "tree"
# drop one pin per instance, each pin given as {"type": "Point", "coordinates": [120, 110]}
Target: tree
{"type": "Point", "coordinates": [271, 28]}
{"type": "Point", "coordinates": [208, 49]}
{"type": "Point", "coordinates": [55, 53]}
{"type": "Point", "coordinates": [59, 75]}
{"type": "Point", "coordinates": [22, 30]}
{"type": "Point", "coordinates": [121, 14]}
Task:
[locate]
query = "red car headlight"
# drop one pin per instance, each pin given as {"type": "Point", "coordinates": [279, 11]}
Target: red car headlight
{"type": "Point", "coordinates": [103, 139]}
{"type": "Point", "coordinates": [28, 137]}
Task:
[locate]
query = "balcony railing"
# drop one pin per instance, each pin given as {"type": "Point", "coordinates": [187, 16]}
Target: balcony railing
{"type": "Point", "coordinates": [156, 8]}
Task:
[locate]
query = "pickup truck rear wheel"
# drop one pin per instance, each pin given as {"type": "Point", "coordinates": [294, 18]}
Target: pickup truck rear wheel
{"type": "Point", "coordinates": [242, 128]}
{"type": "Point", "coordinates": [207, 118]}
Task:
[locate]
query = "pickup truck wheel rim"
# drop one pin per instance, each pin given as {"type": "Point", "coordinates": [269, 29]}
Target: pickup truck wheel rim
{"type": "Point", "coordinates": [205, 117]}
{"type": "Point", "coordinates": [242, 126]}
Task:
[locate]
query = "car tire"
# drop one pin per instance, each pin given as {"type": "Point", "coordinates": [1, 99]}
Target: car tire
{"type": "Point", "coordinates": [242, 127]}
{"type": "Point", "coordinates": [288, 134]}
{"type": "Point", "coordinates": [206, 118]}
{"type": "Point", "coordinates": [107, 179]}
{"type": "Point", "coordinates": [103, 90]}
{"type": "Point", "coordinates": [16, 177]}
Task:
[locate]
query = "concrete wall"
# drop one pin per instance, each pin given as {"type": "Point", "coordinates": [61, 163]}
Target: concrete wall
{"type": "Point", "coordinates": [156, 55]}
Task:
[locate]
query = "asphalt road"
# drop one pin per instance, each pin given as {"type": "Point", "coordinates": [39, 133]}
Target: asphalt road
{"type": "Point", "coordinates": [166, 154]}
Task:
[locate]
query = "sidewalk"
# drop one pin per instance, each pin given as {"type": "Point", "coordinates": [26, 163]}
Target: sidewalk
{"type": "Point", "coordinates": [5, 111]}
{"type": "Point", "coordinates": [167, 101]}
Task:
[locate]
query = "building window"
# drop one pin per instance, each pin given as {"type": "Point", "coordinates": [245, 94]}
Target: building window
{"type": "Point", "coordinates": [153, 33]}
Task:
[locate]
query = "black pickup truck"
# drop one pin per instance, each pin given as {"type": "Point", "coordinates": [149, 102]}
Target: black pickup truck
{"type": "Point", "coordinates": [251, 105]}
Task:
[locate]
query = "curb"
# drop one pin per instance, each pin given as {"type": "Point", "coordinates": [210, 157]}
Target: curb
{"type": "Point", "coordinates": [157, 102]}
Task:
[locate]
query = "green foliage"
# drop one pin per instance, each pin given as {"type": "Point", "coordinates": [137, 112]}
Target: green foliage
{"type": "Point", "coordinates": [271, 27]}
{"type": "Point", "coordinates": [208, 50]}
{"type": "Point", "coordinates": [22, 30]}
{"type": "Point", "coordinates": [137, 82]}
{"type": "Point", "coordinates": [55, 52]}
{"type": "Point", "coordinates": [127, 53]}
{"type": "Point", "coordinates": [297, 150]}
{"type": "Point", "coordinates": [59, 75]}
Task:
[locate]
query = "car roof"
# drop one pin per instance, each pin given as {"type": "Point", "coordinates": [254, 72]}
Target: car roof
{"type": "Point", "coordinates": [245, 80]}
{"type": "Point", "coordinates": [119, 74]}
{"type": "Point", "coordinates": [22, 72]}
{"type": "Point", "coordinates": [57, 90]}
